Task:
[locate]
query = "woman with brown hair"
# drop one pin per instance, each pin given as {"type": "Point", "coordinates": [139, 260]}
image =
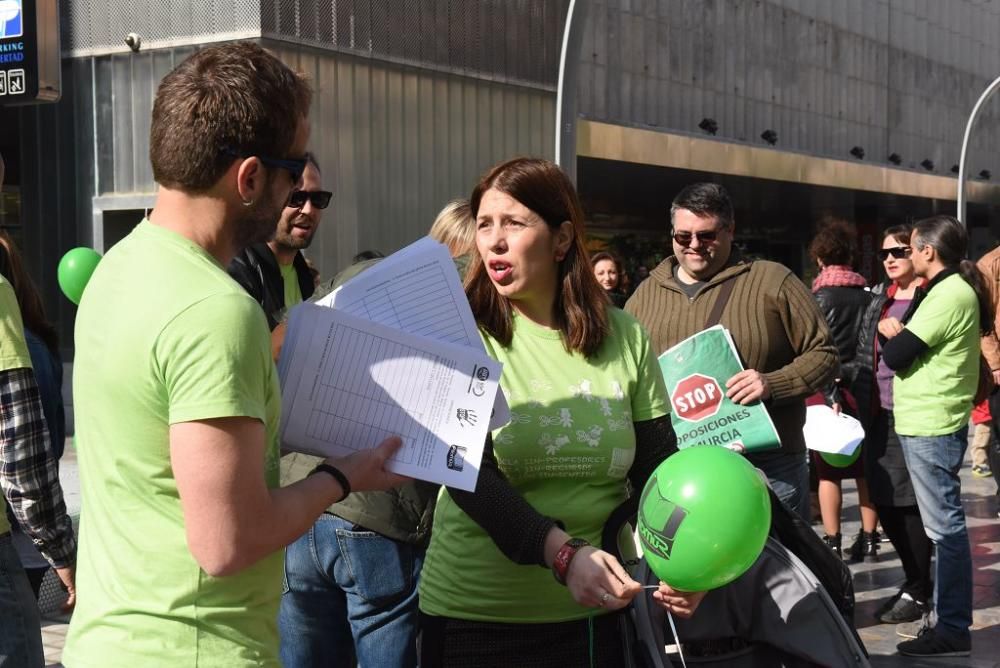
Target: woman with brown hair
{"type": "Point", "coordinates": [842, 297]}
{"type": "Point", "coordinates": [588, 420]}
{"type": "Point", "coordinates": [608, 272]}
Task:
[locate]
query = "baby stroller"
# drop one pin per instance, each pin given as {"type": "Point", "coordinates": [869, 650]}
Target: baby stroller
{"type": "Point", "coordinates": [777, 614]}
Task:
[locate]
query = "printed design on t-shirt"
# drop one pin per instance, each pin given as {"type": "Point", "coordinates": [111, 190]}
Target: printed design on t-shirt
{"type": "Point", "coordinates": [605, 406]}
{"type": "Point", "coordinates": [582, 390]}
{"type": "Point", "coordinates": [619, 424]}
{"type": "Point", "coordinates": [564, 419]}
{"type": "Point", "coordinates": [504, 438]}
{"type": "Point", "coordinates": [552, 444]}
{"type": "Point", "coordinates": [539, 385]}
{"type": "Point", "coordinates": [592, 436]}
{"type": "Point", "coordinates": [616, 389]}
{"type": "Point", "coordinates": [519, 418]}
{"type": "Point", "coordinates": [621, 462]}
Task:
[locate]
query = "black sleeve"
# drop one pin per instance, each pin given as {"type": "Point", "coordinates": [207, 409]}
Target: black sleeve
{"type": "Point", "coordinates": [243, 273]}
{"type": "Point", "coordinates": [902, 350]}
{"type": "Point", "coordinates": [514, 525]}
{"type": "Point", "coordinates": [655, 440]}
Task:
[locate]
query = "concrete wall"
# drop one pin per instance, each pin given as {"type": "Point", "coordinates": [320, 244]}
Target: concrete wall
{"type": "Point", "coordinates": [891, 76]}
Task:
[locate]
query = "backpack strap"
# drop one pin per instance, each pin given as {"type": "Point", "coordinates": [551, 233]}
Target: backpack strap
{"type": "Point", "coordinates": [725, 291]}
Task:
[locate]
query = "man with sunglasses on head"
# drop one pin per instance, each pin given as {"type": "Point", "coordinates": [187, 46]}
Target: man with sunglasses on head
{"type": "Point", "coordinates": [275, 272]}
{"type": "Point", "coordinates": [779, 332]}
{"type": "Point", "coordinates": [177, 397]}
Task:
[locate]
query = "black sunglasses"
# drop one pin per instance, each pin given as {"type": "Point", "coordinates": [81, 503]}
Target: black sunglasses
{"type": "Point", "coordinates": [898, 252]}
{"type": "Point", "coordinates": [685, 238]}
{"type": "Point", "coordinates": [319, 198]}
{"type": "Point", "coordinates": [294, 166]}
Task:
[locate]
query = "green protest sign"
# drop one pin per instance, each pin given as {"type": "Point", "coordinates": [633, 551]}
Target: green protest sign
{"type": "Point", "coordinates": [695, 372]}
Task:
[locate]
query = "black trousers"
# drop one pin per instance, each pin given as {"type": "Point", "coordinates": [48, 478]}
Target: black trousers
{"type": "Point", "coordinates": [903, 526]}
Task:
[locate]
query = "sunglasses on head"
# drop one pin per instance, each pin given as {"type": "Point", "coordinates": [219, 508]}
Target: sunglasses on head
{"type": "Point", "coordinates": [898, 252]}
{"type": "Point", "coordinates": [294, 166]}
{"type": "Point", "coordinates": [319, 198]}
{"type": "Point", "coordinates": [685, 238]}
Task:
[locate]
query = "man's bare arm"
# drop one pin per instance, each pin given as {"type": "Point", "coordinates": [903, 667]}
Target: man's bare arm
{"type": "Point", "coordinates": [232, 519]}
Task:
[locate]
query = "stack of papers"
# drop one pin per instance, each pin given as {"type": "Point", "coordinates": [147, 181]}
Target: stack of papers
{"type": "Point", "coordinates": [394, 351]}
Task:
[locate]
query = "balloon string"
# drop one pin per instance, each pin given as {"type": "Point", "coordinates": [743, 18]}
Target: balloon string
{"type": "Point", "coordinates": [677, 640]}
{"type": "Point", "coordinates": [590, 639]}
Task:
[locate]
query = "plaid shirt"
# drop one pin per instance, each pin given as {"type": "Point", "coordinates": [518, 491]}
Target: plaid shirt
{"type": "Point", "coordinates": [29, 475]}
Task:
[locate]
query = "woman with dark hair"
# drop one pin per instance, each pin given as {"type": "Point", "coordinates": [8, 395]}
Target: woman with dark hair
{"type": "Point", "coordinates": [608, 272]}
{"type": "Point", "coordinates": [934, 347]}
{"type": "Point", "coordinates": [588, 420]}
{"type": "Point", "coordinates": [43, 347]}
{"type": "Point", "coordinates": [842, 297]}
{"type": "Point", "coordinates": [889, 484]}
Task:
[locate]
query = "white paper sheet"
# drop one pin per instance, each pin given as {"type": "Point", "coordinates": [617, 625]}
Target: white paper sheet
{"type": "Point", "coordinates": [416, 290]}
{"type": "Point", "coordinates": [826, 431]}
{"type": "Point", "coordinates": [348, 383]}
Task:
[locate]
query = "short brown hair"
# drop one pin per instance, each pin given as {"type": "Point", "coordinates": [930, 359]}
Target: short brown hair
{"type": "Point", "coordinates": [835, 243]}
{"type": "Point", "coordinates": [224, 101]}
{"type": "Point", "coordinates": [581, 307]}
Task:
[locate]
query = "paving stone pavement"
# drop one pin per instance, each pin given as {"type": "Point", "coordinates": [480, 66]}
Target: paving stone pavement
{"type": "Point", "coordinates": [873, 583]}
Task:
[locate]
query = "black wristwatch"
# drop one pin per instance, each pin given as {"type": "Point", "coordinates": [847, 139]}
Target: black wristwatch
{"type": "Point", "coordinates": [338, 475]}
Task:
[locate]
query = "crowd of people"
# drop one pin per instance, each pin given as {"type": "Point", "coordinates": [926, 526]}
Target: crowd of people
{"type": "Point", "coordinates": [201, 545]}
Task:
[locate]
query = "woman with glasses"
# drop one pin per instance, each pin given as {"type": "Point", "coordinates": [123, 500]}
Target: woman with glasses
{"type": "Point", "coordinates": [889, 484]}
{"type": "Point", "coordinates": [513, 575]}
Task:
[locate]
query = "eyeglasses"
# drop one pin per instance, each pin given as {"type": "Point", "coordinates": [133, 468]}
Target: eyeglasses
{"type": "Point", "coordinates": [898, 252]}
{"type": "Point", "coordinates": [685, 238]}
{"type": "Point", "coordinates": [319, 198]}
{"type": "Point", "coordinates": [294, 166]}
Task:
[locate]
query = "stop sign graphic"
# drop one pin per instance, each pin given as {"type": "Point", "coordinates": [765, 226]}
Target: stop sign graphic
{"type": "Point", "coordinates": [696, 398]}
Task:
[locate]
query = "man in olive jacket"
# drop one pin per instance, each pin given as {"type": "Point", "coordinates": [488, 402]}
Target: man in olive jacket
{"type": "Point", "coordinates": [781, 336]}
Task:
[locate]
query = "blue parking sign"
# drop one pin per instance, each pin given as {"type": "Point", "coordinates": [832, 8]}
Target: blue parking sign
{"type": "Point", "coordinates": [11, 19]}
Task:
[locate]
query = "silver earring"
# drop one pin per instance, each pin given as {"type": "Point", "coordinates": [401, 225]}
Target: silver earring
{"type": "Point", "coordinates": [248, 203]}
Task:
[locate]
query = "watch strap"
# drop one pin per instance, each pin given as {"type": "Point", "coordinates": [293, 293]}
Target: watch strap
{"type": "Point", "coordinates": [338, 475]}
{"type": "Point", "coordinates": [568, 550]}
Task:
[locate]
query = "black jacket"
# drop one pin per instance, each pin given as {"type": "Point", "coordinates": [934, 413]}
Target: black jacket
{"type": "Point", "coordinates": [859, 373]}
{"type": "Point", "coordinates": [256, 269]}
{"type": "Point", "coordinates": [843, 309]}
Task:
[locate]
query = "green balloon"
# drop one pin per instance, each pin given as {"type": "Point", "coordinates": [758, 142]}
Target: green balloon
{"type": "Point", "coordinates": [841, 461]}
{"type": "Point", "coordinates": [74, 271]}
{"type": "Point", "coordinates": [704, 517]}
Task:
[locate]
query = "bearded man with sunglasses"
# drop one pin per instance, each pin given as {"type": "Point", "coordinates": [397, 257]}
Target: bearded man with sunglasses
{"type": "Point", "coordinates": [779, 332]}
{"type": "Point", "coordinates": [275, 272]}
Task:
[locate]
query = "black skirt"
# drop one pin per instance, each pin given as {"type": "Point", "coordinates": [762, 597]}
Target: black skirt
{"type": "Point", "coordinates": [458, 643]}
{"type": "Point", "coordinates": [888, 478]}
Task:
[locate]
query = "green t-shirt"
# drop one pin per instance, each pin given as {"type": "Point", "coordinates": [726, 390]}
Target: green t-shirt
{"type": "Point", "coordinates": [567, 450]}
{"type": "Point", "coordinates": [13, 355]}
{"type": "Point", "coordinates": [933, 397]}
{"type": "Point", "coordinates": [290, 279]}
{"type": "Point", "coordinates": [164, 336]}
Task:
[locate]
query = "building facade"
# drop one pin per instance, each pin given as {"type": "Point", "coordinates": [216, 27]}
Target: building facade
{"type": "Point", "coordinates": [801, 107]}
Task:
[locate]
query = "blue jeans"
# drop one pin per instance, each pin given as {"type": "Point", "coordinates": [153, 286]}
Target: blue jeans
{"type": "Point", "coordinates": [788, 475]}
{"type": "Point", "coordinates": [21, 626]}
{"type": "Point", "coordinates": [934, 462]}
{"type": "Point", "coordinates": [349, 592]}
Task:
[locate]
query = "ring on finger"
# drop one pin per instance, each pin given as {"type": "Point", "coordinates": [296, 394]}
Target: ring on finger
{"type": "Point", "coordinates": [605, 597]}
